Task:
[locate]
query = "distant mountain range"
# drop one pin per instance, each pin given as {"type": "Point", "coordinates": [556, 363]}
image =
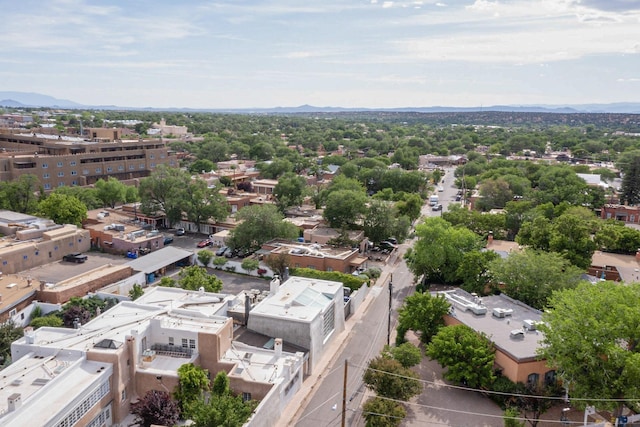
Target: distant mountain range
{"type": "Point", "coordinates": [34, 100]}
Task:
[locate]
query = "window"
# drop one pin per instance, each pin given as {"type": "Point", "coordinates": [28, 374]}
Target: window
{"type": "Point", "coordinates": [532, 379]}
{"type": "Point", "coordinates": [141, 166]}
{"type": "Point", "coordinates": [246, 397]}
{"type": "Point", "coordinates": [24, 257]}
{"type": "Point", "coordinates": [47, 186]}
{"type": "Point", "coordinates": [192, 344]}
{"type": "Point", "coordinates": [171, 341]}
{"type": "Point", "coordinates": [72, 163]}
{"type": "Point", "coordinates": [153, 165]}
{"type": "Point", "coordinates": [132, 167]}
{"type": "Point", "coordinates": [328, 319]}
{"type": "Point", "coordinates": [120, 168]}
{"type": "Point", "coordinates": [74, 182]}
{"type": "Point", "coordinates": [550, 378]}
{"type": "Point", "coordinates": [98, 170]}
{"type": "Point", "coordinates": [45, 165]}
{"type": "Point", "coordinates": [109, 169]}
{"type": "Point", "coordinates": [85, 171]}
{"type": "Point", "coordinates": [61, 184]}
{"type": "Point", "coordinates": [185, 343]}
{"type": "Point", "coordinates": [123, 395]}
{"type": "Point", "coordinates": [74, 173]}
{"type": "Point", "coordinates": [45, 176]}
{"type": "Point", "coordinates": [60, 164]}
{"type": "Point", "coordinates": [151, 156]}
{"type": "Point", "coordinates": [13, 312]}
{"type": "Point", "coordinates": [329, 268]}
{"type": "Point", "coordinates": [61, 174]}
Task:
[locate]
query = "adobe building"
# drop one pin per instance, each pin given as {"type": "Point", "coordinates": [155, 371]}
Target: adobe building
{"type": "Point", "coordinates": [58, 160]}
{"type": "Point", "coordinates": [90, 376]}
{"type": "Point", "coordinates": [30, 241]}
{"type": "Point", "coordinates": [316, 256]}
{"type": "Point", "coordinates": [624, 213]}
{"type": "Point", "coordinates": [16, 293]}
{"type": "Point", "coordinates": [511, 326]}
{"type": "Point", "coordinates": [117, 233]}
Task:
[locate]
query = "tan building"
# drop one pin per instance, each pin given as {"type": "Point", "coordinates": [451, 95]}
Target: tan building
{"type": "Point", "coordinates": [67, 161]}
{"type": "Point", "coordinates": [118, 233]}
{"type": "Point", "coordinates": [90, 376]}
{"type": "Point", "coordinates": [511, 326]}
{"type": "Point", "coordinates": [16, 293]}
{"type": "Point", "coordinates": [316, 256]}
{"type": "Point", "coordinates": [31, 242]}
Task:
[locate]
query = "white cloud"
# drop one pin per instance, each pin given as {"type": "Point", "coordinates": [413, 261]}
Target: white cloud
{"type": "Point", "coordinates": [387, 4]}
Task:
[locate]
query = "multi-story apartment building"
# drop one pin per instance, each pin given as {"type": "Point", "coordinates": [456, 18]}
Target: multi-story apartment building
{"type": "Point", "coordinates": [68, 161]}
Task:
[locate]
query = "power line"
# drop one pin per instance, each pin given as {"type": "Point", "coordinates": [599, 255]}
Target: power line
{"type": "Point", "coordinates": [501, 393]}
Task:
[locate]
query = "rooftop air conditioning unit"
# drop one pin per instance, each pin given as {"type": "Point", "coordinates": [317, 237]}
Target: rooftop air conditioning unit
{"type": "Point", "coordinates": [502, 312]}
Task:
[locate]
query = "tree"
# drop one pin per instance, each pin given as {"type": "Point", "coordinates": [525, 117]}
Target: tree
{"type": "Point", "coordinates": [379, 220]}
{"type": "Point", "coordinates": [629, 165]}
{"type": "Point", "coordinates": [614, 236]}
{"type": "Point", "coordinates": [259, 224]}
{"type": "Point", "coordinates": [218, 262]}
{"type": "Point", "coordinates": [20, 195]}
{"type": "Point", "coordinates": [406, 353]}
{"type": "Point", "coordinates": [201, 165]}
{"type": "Point", "coordinates": [511, 417]}
{"type": "Point", "coordinates": [466, 354]}
{"type": "Point", "coordinates": [381, 412]}
{"type": "Point", "coordinates": [110, 191]}
{"type": "Point", "coordinates": [202, 203]}
{"type": "Point", "coordinates": [474, 271]}
{"type": "Point", "coordinates": [410, 205]}
{"type": "Point", "coordinates": [440, 249]}
{"type": "Point", "coordinates": [195, 277]}
{"type": "Point", "coordinates": [249, 264]}
{"type": "Point", "coordinates": [162, 192]}
{"type": "Point", "coordinates": [75, 313]}
{"type": "Point", "coordinates": [345, 208]}
{"type": "Point", "coordinates": [156, 407]}
{"type": "Point", "coordinates": [531, 276]}
{"type": "Point", "coordinates": [225, 410]}
{"type": "Point", "coordinates": [591, 337]}
{"type": "Point", "coordinates": [9, 332]}
{"type": "Point", "coordinates": [388, 378]}
{"type": "Point", "coordinates": [193, 382]}
{"type": "Point", "coordinates": [205, 256]}
{"type": "Point", "coordinates": [136, 292]}
{"type": "Point", "coordinates": [289, 191]}
{"type": "Point", "coordinates": [422, 313]}
{"type": "Point", "coordinates": [221, 384]}
{"type": "Point", "coordinates": [279, 263]}
{"type": "Point", "coordinates": [63, 209]}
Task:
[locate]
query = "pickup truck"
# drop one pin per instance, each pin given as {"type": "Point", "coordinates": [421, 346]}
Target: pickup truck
{"type": "Point", "coordinates": [76, 257]}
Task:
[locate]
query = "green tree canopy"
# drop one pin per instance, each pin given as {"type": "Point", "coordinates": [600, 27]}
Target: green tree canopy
{"type": "Point", "coordinates": [195, 277]}
{"type": "Point", "coordinates": [259, 224]}
{"type": "Point", "coordinates": [466, 354]}
{"type": "Point", "coordinates": [440, 249]}
{"type": "Point", "coordinates": [289, 191]}
{"type": "Point", "coordinates": [422, 313]}
{"type": "Point", "coordinates": [63, 209]}
{"type": "Point", "coordinates": [531, 276]}
{"type": "Point", "coordinates": [591, 337]}
{"type": "Point", "coordinates": [345, 209]}
{"type": "Point", "coordinates": [111, 191]}
{"type": "Point", "coordinates": [162, 192]}
{"type": "Point", "coordinates": [388, 378]}
{"type": "Point", "coordinates": [380, 412]}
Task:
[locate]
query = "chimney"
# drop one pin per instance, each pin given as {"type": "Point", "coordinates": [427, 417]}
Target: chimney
{"type": "Point", "coordinates": [490, 238]}
{"type": "Point", "coordinates": [247, 308]}
{"type": "Point", "coordinates": [277, 347]}
{"type": "Point", "coordinates": [14, 401]}
{"type": "Point", "coordinates": [274, 285]}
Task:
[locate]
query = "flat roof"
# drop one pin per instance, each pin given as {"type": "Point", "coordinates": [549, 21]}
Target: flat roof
{"type": "Point", "coordinates": [10, 216]}
{"type": "Point", "coordinates": [159, 259]}
{"type": "Point", "coordinates": [203, 302]}
{"type": "Point", "coordinates": [255, 364]}
{"type": "Point", "coordinates": [46, 382]}
{"type": "Point", "coordinates": [299, 298]}
{"type": "Point", "coordinates": [13, 289]}
{"type": "Point", "coordinates": [497, 329]}
{"type": "Point", "coordinates": [83, 278]}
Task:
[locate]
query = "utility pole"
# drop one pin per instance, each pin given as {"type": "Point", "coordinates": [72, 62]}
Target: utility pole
{"type": "Point", "coordinates": [344, 394]}
{"type": "Point", "coordinates": [389, 320]}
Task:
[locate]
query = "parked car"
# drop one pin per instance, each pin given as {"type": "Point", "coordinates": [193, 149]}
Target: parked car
{"type": "Point", "coordinates": [385, 244]}
{"type": "Point", "coordinates": [76, 257]}
{"type": "Point", "coordinates": [436, 208]}
{"type": "Point", "coordinates": [458, 198]}
{"type": "Point", "coordinates": [228, 253]}
{"type": "Point", "coordinates": [204, 243]}
{"type": "Point", "coordinates": [180, 232]}
{"type": "Point", "coordinates": [221, 251]}
{"type": "Point", "coordinates": [168, 240]}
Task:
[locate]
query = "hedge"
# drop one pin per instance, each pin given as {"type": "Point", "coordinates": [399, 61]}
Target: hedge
{"type": "Point", "coordinates": [348, 280]}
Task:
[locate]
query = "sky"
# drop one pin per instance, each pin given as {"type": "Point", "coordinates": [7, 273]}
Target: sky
{"type": "Point", "coordinates": [340, 53]}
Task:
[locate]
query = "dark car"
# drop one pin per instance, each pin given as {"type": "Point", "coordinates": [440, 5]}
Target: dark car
{"type": "Point", "coordinates": [204, 243]}
{"type": "Point", "coordinates": [168, 240]}
{"type": "Point", "coordinates": [75, 257]}
{"type": "Point", "coordinates": [387, 245]}
{"type": "Point", "coordinates": [229, 253]}
{"type": "Point", "coordinates": [221, 251]}
{"type": "Point", "coordinates": [437, 208]}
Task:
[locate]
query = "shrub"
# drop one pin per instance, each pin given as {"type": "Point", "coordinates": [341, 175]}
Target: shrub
{"type": "Point", "coordinates": [347, 280]}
